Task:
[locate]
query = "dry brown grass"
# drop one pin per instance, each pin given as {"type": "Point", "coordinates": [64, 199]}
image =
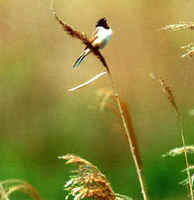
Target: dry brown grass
{"type": "Point", "coordinates": [171, 98]}
{"type": "Point", "coordinates": [88, 181]}
{"type": "Point", "coordinates": [122, 108]}
{"type": "Point", "coordinates": [11, 186]}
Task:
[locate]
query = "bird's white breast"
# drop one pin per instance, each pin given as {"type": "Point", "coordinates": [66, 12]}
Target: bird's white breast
{"type": "Point", "coordinates": [103, 37]}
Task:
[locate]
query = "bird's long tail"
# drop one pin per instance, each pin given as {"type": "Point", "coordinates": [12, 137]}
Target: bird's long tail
{"type": "Point", "coordinates": [81, 58]}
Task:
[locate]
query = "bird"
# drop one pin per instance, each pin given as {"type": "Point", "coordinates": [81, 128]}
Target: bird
{"type": "Point", "coordinates": [99, 39]}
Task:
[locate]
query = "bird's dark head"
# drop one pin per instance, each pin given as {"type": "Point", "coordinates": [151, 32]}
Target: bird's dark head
{"type": "Point", "coordinates": [102, 22]}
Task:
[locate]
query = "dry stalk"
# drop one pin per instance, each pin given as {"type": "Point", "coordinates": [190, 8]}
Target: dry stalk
{"type": "Point", "coordinates": [7, 187]}
{"type": "Point", "coordinates": [127, 126]}
{"type": "Point", "coordinates": [81, 36]}
{"type": "Point", "coordinates": [131, 137]}
{"type": "Point", "coordinates": [186, 157]}
{"type": "Point", "coordinates": [108, 94]}
{"type": "Point", "coordinates": [167, 90]}
{"type": "Point", "coordinates": [129, 131]}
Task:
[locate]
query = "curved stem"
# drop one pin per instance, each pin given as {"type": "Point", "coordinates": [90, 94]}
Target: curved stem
{"type": "Point", "coordinates": [130, 141]}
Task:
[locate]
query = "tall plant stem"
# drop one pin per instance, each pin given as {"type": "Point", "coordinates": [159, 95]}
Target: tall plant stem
{"type": "Point", "coordinates": [180, 119]}
{"type": "Point", "coordinates": [180, 126]}
{"type": "Point", "coordinates": [130, 141]}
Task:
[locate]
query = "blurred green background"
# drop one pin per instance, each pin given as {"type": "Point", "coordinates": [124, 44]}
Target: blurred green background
{"type": "Point", "coordinates": [40, 120]}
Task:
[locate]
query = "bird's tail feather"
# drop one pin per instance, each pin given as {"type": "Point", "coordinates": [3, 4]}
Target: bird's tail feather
{"type": "Point", "coordinates": [81, 58]}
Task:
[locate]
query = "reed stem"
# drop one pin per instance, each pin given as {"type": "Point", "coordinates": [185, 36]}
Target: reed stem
{"type": "Point", "coordinates": [180, 119]}
{"type": "Point", "coordinates": [130, 141]}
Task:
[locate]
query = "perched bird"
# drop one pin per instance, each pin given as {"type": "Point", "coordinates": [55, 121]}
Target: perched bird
{"type": "Point", "coordinates": [99, 39]}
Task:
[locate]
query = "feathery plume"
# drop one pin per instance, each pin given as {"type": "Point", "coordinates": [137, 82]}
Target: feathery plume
{"type": "Point", "coordinates": [179, 26]}
{"type": "Point", "coordinates": [88, 181]}
{"type": "Point", "coordinates": [106, 94]}
{"type": "Point", "coordinates": [167, 90]}
{"type": "Point", "coordinates": [189, 50]}
{"type": "Point", "coordinates": [180, 150]}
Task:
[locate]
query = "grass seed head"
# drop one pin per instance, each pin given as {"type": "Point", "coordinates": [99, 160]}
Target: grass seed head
{"type": "Point", "coordinates": [180, 150]}
{"type": "Point", "coordinates": [88, 181]}
{"type": "Point", "coordinates": [179, 26]}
